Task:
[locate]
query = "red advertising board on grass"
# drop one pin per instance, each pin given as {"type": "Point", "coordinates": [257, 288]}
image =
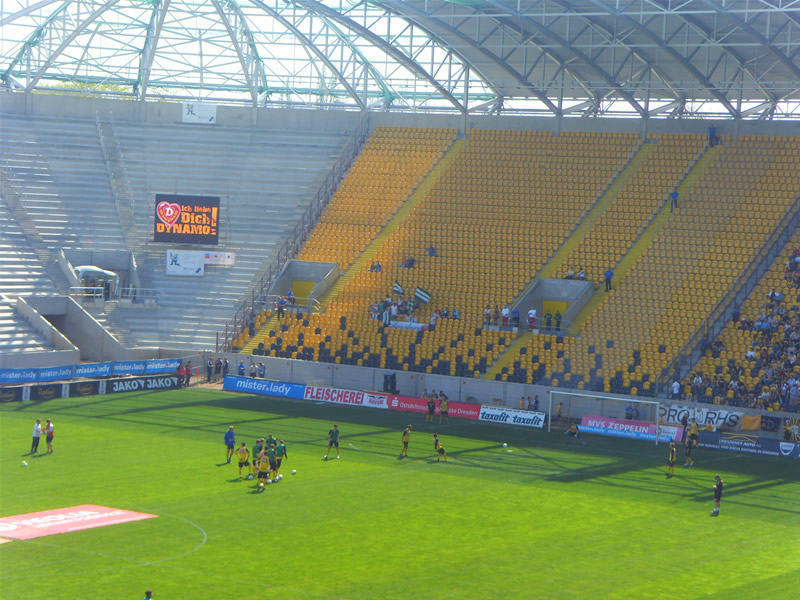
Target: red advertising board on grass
{"type": "Point", "coordinates": [64, 520]}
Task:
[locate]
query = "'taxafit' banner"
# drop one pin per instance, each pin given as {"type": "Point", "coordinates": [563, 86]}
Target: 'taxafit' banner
{"type": "Point", "coordinates": [512, 416]}
{"type": "Point", "coordinates": [186, 219]}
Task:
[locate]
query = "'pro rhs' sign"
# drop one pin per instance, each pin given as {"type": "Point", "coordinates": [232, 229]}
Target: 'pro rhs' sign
{"type": "Point", "coordinates": [186, 219]}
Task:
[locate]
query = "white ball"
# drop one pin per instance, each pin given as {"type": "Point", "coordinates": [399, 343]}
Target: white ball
{"type": "Point", "coordinates": [261, 485]}
{"type": "Point", "coordinates": [268, 481]}
{"type": "Point", "coordinates": [505, 445]}
{"type": "Point", "coordinates": [24, 463]}
{"type": "Point", "coordinates": [280, 477]}
{"type": "Point", "coordinates": [294, 472]}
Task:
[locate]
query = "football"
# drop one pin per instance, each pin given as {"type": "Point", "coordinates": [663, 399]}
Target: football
{"type": "Point", "coordinates": [294, 472]}
{"type": "Point", "coordinates": [24, 463]}
{"type": "Point", "coordinates": [505, 445]}
{"type": "Point", "coordinates": [268, 482]}
{"type": "Point", "coordinates": [280, 477]}
{"type": "Point", "coordinates": [261, 486]}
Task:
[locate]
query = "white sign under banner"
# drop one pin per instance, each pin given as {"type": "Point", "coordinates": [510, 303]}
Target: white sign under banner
{"type": "Point", "coordinates": [185, 263]}
{"type": "Point", "coordinates": [199, 112]}
{"type": "Point", "coordinates": [225, 259]}
{"type": "Point", "coordinates": [512, 416]}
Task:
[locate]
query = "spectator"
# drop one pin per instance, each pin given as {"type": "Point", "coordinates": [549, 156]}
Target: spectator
{"type": "Point", "coordinates": [209, 368]}
{"type": "Point", "coordinates": [496, 315]}
{"type": "Point", "coordinates": [736, 313]}
{"type": "Point", "coordinates": [582, 275]}
{"type": "Point", "coordinates": [189, 373]}
{"type": "Point", "coordinates": [262, 370]}
{"type": "Point", "coordinates": [242, 368]}
{"type": "Point", "coordinates": [532, 319]}
{"type": "Point", "coordinates": [181, 374]}
{"type": "Point", "coordinates": [218, 368]}
{"type": "Point", "coordinates": [629, 412]}
{"type": "Point", "coordinates": [676, 390]}
{"type": "Point", "coordinates": [570, 273]}
{"type": "Point", "coordinates": [290, 295]}
{"type": "Point", "coordinates": [456, 314]}
{"type": "Point", "coordinates": [226, 366]}
{"type": "Point", "coordinates": [431, 251]}
{"type": "Point", "coordinates": [404, 262]}
{"type": "Point", "coordinates": [557, 318]}
{"type": "Point", "coordinates": [608, 275]}
{"type": "Point", "coordinates": [504, 315]}
{"type": "Point", "coordinates": [674, 199]}
{"type": "Point", "coordinates": [487, 314]}
{"type": "Point", "coordinates": [253, 370]}
{"type": "Point", "coordinates": [281, 307]}
{"type": "Point", "coordinates": [548, 321]}
{"type": "Point", "coordinates": [713, 139]}
{"type": "Point", "coordinates": [515, 318]}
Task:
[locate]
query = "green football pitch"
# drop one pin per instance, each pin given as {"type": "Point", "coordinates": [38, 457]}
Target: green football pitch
{"type": "Point", "coordinates": [541, 518]}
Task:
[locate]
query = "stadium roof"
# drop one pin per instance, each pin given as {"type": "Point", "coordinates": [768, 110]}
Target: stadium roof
{"type": "Point", "coordinates": [667, 58]}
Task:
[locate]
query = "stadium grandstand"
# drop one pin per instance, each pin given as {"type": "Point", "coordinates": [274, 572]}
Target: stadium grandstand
{"type": "Point", "coordinates": [571, 194]}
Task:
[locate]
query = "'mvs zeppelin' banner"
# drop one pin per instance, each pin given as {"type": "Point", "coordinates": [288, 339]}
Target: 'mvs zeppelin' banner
{"type": "Point", "coordinates": [186, 219]}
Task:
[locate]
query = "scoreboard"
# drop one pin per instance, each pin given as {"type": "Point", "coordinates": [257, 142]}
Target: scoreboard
{"type": "Point", "coordinates": [183, 219]}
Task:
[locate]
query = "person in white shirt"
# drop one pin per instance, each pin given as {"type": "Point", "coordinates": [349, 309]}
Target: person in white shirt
{"type": "Point", "coordinates": [37, 434]}
{"type": "Point", "coordinates": [676, 390]}
{"type": "Point", "coordinates": [49, 431]}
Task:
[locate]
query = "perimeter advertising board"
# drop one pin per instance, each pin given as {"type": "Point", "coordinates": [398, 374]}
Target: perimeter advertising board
{"type": "Point", "coordinates": [636, 430]}
{"type": "Point", "coordinates": [186, 219]}
{"type": "Point", "coordinates": [512, 416]}
{"type": "Point", "coordinates": [747, 443]}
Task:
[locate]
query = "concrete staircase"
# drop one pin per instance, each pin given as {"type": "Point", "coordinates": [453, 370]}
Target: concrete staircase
{"type": "Point", "coordinates": [57, 167]}
{"type": "Point", "coordinates": [21, 270]}
{"type": "Point", "coordinates": [16, 334]}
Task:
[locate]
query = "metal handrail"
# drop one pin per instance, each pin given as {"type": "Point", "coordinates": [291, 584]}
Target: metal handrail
{"type": "Point", "coordinates": [293, 243]}
{"type": "Point", "coordinates": [133, 294]}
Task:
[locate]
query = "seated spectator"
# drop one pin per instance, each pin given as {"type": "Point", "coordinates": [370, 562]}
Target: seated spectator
{"type": "Point", "coordinates": [431, 251]}
{"type": "Point", "coordinates": [445, 313]}
{"type": "Point", "coordinates": [496, 315]}
{"type": "Point", "coordinates": [582, 275]}
{"type": "Point", "coordinates": [629, 412]}
{"type": "Point", "coordinates": [456, 314]}
{"type": "Point", "coordinates": [487, 314]}
{"type": "Point", "coordinates": [570, 273]}
{"type": "Point", "coordinates": [411, 262]}
{"type": "Point", "coordinates": [404, 262]}
{"type": "Point", "coordinates": [375, 267]}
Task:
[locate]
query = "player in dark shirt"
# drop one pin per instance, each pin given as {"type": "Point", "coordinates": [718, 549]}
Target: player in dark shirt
{"type": "Point", "coordinates": [431, 409]}
{"type": "Point", "coordinates": [437, 446]}
{"type": "Point", "coordinates": [717, 495]}
{"type": "Point", "coordinates": [671, 460]}
{"type": "Point", "coordinates": [687, 452]}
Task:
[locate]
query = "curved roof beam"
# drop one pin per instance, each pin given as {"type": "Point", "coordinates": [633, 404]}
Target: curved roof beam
{"type": "Point", "coordinates": [406, 9]}
{"type": "Point", "coordinates": [150, 45]}
{"type": "Point", "coordinates": [763, 42]}
{"type": "Point", "coordinates": [696, 24]}
{"type": "Point", "coordinates": [26, 11]}
{"type": "Point", "coordinates": [311, 47]}
{"type": "Point", "coordinates": [561, 42]}
{"type": "Point", "coordinates": [619, 14]}
{"type": "Point", "coordinates": [226, 23]}
{"type": "Point", "coordinates": [67, 41]}
{"type": "Point", "coordinates": [409, 63]}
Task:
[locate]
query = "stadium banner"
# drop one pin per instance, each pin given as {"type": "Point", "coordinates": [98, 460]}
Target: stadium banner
{"type": "Point", "coordinates": [138, 384]}
{"type": "Point", "coordinates": [56, 373]}
{"type": "Point", "coordinates": [512, 416]}
{"type": "Point", "coordinates": [199, 112]}
{"type": "Point", "coordinates": [78, 389]}
{"type": "Point", "coordinates": [408, 325]}
{"type": "Point", "coordinates": [185, 263]}
{"type": "Point", "coordinates": [90, 370]}
{"type": "Point", "coordinates": [64, 520]}
{"type": "Point", "coordinates": [183, 219]}
{"type": "Point", "coordinates": [15, 394]}
{"type": "Point", "coordinates": [8, 376]}
{"type": "Point", "coordinates": [334, 395]}
{"type": "Point", "coordinates": [746, 442]}
{"type": "Point", "coordinates": [751, 423]}
{"type": "Point", "coordinates": [791, 430]}
{"type": "Point", "coordinates": [264, 387]}
{"type": "Point", "coordinates": [771, 424]}
{"type": "Point", "coordinates": [162, 365]}
{"type": "Point", "coordinates": [48, 391]}
{"type": "Point", "coordinates": [719, 418]}
{"type": "Point", "coordinates": [625, 428]}
{"type": "Point", "coordinates": [461, 410]}
{"type": "Point", "coordinates": [130, 367]}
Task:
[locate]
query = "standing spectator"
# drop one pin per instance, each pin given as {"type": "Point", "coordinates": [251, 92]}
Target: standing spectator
{"type": "Point", "coordinates": [218, 369]}
{"type": "Point", "coordinates": [230, 444]}
{"type": "Point", "coordinates": [226, 366]}
{"type": "Point", "coordinates": [280, 305]}
{"type": "Point", "coordinates": [548, 320]}
{"type": "Point", "coordinates": [49, 432]}
{"type": "Point", "coordinates": [291, 297]}
{"type": "Point", "coordinates": [181, 374]}
{"type": "Point", "coordinates": [532, 319]}
{"type": "Point", "coordinates": [522, 405]}
{"type": "Point", "coordinates": [262, 370]}
{"type": "Point", "coordinates": [676, 390]}
{"type": "Point", "coordinates": [629, 412]}
{"type": "Point", "coordinates": [37, 434]}
{"type": "Point", "coordinates": [487, 314]}
{"type": "Point", "coordinates": [241, 369]}
{"type": "Point", "coordinates": [737, 312]}
{"type": "Point", "coordinates": [674, 198]}
{"type": "Point", "coordinates": [209, 368]}
{"type": "Point", "coordinates": [608, 275]}
{"type": "Point", "coordinates": [557, 318]}
{"type": "Point", "coordinates": [253, 370]}
{"type": "Point", "coordinates": [505, 314]}
{"type": "Point", "coordinates": [536, 402]}
{"type": "Point", "coordinates": [713, 139]}
{"type": "Point", "coordinates": [189, 373]}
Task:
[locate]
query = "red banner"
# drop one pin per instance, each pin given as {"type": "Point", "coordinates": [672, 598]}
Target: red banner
{"type": "Point", "coordinates": [461, 410]}
{"type": "Point", "coordinates": [335, 395]}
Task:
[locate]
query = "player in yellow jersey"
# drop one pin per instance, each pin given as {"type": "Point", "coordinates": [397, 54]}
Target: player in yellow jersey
{"type": "Point", "coordinates": [687, 452]}
{"type": "Point", "coordinates": [671, 460]}
{"type": "Point", "coordinates": [243, 454]}
{"type": "Point", "coordinates": [437, 446]}
{"type": "Point", "coordinates": [444, 406]}
{"type": "Point", "coordinates": [263, 469]}
{"type": "Point", "coordinates": [406, 437]}
{"type": "Point", "coordinates": [694, 433]}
